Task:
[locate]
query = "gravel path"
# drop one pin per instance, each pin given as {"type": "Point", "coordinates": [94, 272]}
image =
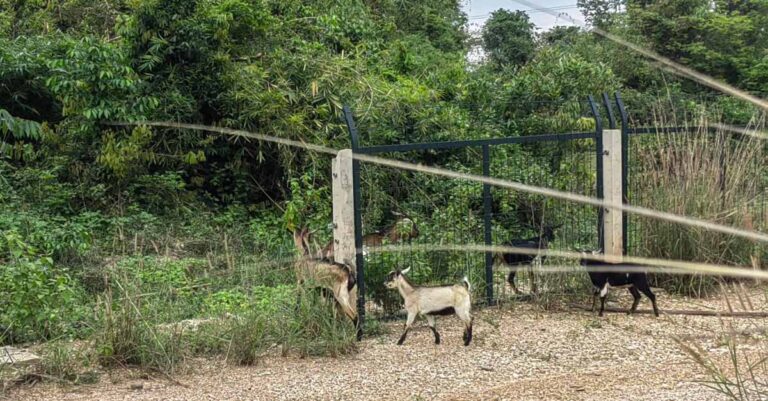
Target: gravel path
{"type": "Point", "coordinates": [519, 353]}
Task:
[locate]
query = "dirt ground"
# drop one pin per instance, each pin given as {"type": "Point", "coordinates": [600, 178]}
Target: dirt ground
{"type": "Point", "coordinates": [519, 353]}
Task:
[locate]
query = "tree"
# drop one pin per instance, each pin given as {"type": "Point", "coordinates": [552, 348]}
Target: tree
{"type": "Point", "coordinates": [563, 35]}
{"type": "Point", "coordinates": [725, 39]}
{"type": "Point", "coordinates": [508, 38]}
{"type": "Point", "coordinates": [600, 13]}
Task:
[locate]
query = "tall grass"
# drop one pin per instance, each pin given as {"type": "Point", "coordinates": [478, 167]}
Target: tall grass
{"type": "Point", "coordinates": [742, 376]}
{"type": "Point", "coordinates": [129, 332]}
{"type": "Point", "coordinates": [711, 174]}
{"type": "Point", "coordinates": [742, 373]}
{"type": "Point", "coordinates": [151, 318]}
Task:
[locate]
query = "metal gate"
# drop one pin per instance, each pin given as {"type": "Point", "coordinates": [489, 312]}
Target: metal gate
{"type": "Point", "coordinates": [576, 166]}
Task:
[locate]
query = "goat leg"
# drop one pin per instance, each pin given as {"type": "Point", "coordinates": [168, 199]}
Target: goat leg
{"type": "Point", "coordinates": [636, 299]}
{"type": "Point", "coordinates": [344, 300]}
{"type": "Point", "coordinates": [465, 317]}
{"type": "Point", "coordinates": [511, 281]}
{"type": "Point", "coordinates": [411, 318]}
{"type": "Point", "coordinates": [431, 321]}
{"type": "Point", "coordinates": [602, 304]}
{"type": "Point", "coordinates": [603, 296]}
{"type": "Point", "coordinates": [652, 297]}
{"type": "Point", "coordinates": [468, 333]}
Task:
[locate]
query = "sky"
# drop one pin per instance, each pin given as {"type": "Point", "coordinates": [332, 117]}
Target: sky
{"type": "Point", "coordinates": [479, 11]}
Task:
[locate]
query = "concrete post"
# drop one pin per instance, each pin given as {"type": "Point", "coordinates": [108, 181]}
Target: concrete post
{"type": "Point", "coordinates": [343, 209]}
{"type": "Point", "coordinates": [612, 188]}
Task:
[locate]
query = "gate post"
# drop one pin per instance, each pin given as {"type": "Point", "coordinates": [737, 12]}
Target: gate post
{"type": "Point", "coordinates": [343, 208]}
{"type": "Point", "coordinates": [613, 225]}
{"type": "Point", "coordinates": [624, 170]}
{"type": "Point", "coordinates": [353, 170]}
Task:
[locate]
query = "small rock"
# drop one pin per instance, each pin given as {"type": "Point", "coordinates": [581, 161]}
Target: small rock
{"type": "Point", "coordinates": [487, 368]}
{"type": "Point", "coordinates": [16, 364]}
{"type": "Point", "coordinates": [137, 386]}
{"type": "Point", "coordinates": [17, 357]}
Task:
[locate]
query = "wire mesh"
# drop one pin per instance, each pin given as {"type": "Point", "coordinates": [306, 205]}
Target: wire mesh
{"type": "Point", "coordinates": [444, 212]}
{"type": "Point", "coordinates": [452, 211]}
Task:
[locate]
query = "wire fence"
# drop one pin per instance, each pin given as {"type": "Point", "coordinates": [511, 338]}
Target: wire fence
{"type": "Point", "coordinates": [465, 212]}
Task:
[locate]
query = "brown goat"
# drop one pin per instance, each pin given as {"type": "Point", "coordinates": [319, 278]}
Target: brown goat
{"type": "Point", "coordinates": [337, 277]}
{"type": "Point", "coordinates": [402, 229]}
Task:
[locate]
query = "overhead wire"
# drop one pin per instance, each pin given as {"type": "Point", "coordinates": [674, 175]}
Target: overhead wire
{"type": "Point", "coordinates": [693, 222]}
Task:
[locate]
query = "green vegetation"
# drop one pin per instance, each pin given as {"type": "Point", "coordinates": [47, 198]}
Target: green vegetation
{"type": "Point", "coordinates": [112, 235]}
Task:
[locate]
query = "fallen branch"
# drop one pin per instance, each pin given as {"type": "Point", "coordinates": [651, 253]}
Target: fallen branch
{"type": "Point", "coordinates": [680, 312]}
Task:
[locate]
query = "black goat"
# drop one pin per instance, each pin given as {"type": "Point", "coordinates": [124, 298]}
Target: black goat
{"type": "Point", "coordinates": [517, 259]}
{"type": "Point", "coordinates": [606, 274]}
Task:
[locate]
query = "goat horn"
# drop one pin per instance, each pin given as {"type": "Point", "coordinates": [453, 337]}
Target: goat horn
{"type": "Point", "coordinates": [406, 270]}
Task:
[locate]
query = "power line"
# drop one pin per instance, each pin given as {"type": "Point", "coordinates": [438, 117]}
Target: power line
{"type": "Point", "coordinates": [437, 171]}
{"type": "Point", "coordinates": [529, 11]}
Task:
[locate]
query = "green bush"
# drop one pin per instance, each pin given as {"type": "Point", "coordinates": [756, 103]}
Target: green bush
{"type": "Point", "coordinates": [225, 301]}
{"type": "Point", "coordinates": [40, 301]}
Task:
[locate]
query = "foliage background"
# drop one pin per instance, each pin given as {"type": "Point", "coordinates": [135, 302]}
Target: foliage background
{"type": "Point", "coordinates": [77, 195]}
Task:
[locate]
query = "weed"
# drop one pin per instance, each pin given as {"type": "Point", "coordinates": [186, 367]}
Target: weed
{"type": "Point", "coordinates": [741, 378]}
{"type": "Point", "coordinates": [702, 174]}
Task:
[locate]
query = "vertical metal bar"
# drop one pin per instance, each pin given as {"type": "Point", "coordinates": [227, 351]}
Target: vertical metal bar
{"type": "Point", "coordinates": [624, 167]}
{"type": "Point", "coordinates": [359, 260]}
{"type": "Point", "coordinates": [599, 166]}
{"type": "Point", "coordinates": [487, 224]}
{"type": "Point", "coordinates": [351, 127]}
{"type": "Point", "coordinates": [609, 109]}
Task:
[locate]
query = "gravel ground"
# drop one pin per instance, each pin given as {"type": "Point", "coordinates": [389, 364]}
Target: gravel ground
{"type": "Point", "coordinates": [519, 353]}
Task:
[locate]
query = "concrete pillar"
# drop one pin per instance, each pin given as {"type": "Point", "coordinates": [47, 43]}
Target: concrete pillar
{"type": "Point", "coordinates": [343, 209]}
{"type": "Point", "coordinates": [612, 186]}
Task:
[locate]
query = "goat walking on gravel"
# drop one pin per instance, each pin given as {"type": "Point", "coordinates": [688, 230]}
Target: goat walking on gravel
{"type": "Point", "coordinates": [433, 301]}
{"type": "Point", "coordinates": [606, 274]}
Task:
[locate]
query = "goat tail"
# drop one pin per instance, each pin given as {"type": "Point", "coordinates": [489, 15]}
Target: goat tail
{"type": "Point", "coordinates": [466, 283]}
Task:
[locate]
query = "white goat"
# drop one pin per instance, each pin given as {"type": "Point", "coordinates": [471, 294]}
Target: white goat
{"type": "Point", "coordinates": [433, 301]}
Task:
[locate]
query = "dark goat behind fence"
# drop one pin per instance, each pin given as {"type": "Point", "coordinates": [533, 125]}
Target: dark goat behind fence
{"type": "Point", "coordinates": [514, 260]}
